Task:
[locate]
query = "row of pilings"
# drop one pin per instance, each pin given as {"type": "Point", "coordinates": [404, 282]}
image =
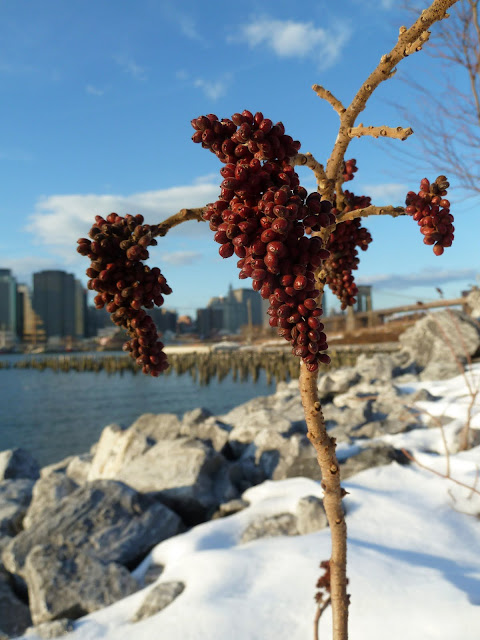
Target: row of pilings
{"type": "Point", "coordinates": [243, 365]}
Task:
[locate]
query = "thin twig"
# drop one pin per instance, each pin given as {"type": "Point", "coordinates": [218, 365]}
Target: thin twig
{"type": "Point", "coordinates": [438, 473]}
{"type": "Point", "coordinates": [371, 211]}
{"type": "Point", "coordinates": [182, 216]}
{"type": "Point", "coordinates": [318, 614]}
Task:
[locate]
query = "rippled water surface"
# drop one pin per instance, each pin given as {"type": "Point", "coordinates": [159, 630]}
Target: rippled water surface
{"type": "Point", "coordinates": [54, 415]}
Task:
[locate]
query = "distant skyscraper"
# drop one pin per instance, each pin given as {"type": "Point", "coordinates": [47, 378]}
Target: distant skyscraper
{"type": "Point", "coordinates": [8, 302]}
{"type": "Point", "coordinates": [54, 298]}
{"type": "Point", "coordinates": [27, 323]}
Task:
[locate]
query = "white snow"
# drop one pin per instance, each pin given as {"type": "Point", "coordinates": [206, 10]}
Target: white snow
{"type": "Point", "coordinates": [413, 556]}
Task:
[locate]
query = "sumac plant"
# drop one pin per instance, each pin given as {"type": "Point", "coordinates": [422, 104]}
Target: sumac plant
{"type": "Point", "coordinates": [287, 242]}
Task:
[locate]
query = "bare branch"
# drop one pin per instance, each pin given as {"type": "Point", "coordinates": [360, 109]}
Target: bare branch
{"type": "Point", "coordinates": [307, 160]}
{"type": "Point", "coordinates": [371, 211]}
{"type": "Point", "coordinates": [329, 97]}
{"type": "Point", "coordinates": [386, 132]}
{"type": "Point", "coordinates": [182, 216]}
{"type": "Point", "coordinates": [408, 41]}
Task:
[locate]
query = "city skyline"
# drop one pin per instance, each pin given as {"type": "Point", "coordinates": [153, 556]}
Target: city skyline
{"type": "Point", "coordinates": [88, 131]}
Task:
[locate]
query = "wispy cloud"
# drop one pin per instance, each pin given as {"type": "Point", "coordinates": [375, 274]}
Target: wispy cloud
{"type": "Point", "coordinates": [430, 277]}
{"type": "Point", "coordinates": [23, 267]}
{"type": "Point", "coordinates": [384, 194]}
{"type": "Point", "coordinates": [213, 89]}
{"type": "Point", "coordinates": [59, 220]}
{"type": "Point", "coordinates": [180, 258]}
{"type": "Point", "coordinates": [128, 64]}
{"type": "Point", "coordinates": [94, 91]}
{"type": "Point", "coordinates": [291, 39]}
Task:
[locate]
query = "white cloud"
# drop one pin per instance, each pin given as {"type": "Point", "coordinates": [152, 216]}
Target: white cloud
{"type": "Point", "coordinates": [179, 258]}
{"type": "Point", "coordinates": [59, 220]}
{"type": "Point", "coordinates": [211, 88]}
{"type": "Point", "coordinates": [290, 39]}
{"type": "Point", "coordinates": [129, 65]}
{"type": "Point", "coordinates": [23, 267]}
{"type": "Point", "coordinates": [427, 277]}
{"type": "Point", "coordinates": [384, 194]}
{"type": "Point", "coordinates": [95, 91]}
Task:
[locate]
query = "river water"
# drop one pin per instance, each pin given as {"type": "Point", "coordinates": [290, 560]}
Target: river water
{"type": "Point", "coordinates": [56, 414]}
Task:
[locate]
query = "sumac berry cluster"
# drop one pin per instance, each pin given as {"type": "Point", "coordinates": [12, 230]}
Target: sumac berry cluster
{"type": "Point", "coordinates": [262, 216]}
{"type": "Point", "coordinates": [124, 284]}
{"type": "Point", "coordinates": [432, 212]}
{"type": "Point", "coordinates": [342, 244]}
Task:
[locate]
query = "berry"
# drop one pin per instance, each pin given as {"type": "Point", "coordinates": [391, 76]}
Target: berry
{"type": "Point", "coordinates": [431, 211]}
{"type": "Point", "coordinates": [262, 216]}
{"type": "Point", "coordinates": [124, 284]}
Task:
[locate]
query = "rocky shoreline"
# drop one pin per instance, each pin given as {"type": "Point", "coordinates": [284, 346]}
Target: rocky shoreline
{"type": "Point", "coordinates": [72, 533]}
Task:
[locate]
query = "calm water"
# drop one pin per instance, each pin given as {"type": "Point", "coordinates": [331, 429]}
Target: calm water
{"type": "Point", "coordinates": [54, 415]}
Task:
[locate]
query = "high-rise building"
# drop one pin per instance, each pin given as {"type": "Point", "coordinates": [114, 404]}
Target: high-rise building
{"type": "Point", "coordinates": [8, 302]}
{"type": "Point", "coordinates": [54, 299]}
{"type": "Point", "coordinates": [27, 320]}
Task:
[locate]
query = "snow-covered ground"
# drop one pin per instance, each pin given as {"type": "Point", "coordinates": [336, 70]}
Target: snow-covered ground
{"type": "Point", "coordinates": [413, 563]}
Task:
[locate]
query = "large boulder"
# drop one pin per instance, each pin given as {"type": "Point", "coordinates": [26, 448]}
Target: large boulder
{"type": "Point", "coordinates": [186, 473]}
{"type": "Point", "coordinates": [116, 448]}
{"type": "Point", "coordinates": [105, 519]}
{"type": "Point", "coordinates": [440, 341]}
{"type": "Point", "coordinates": [158, 426]}
{"type": "Point", "coordinates": [282, 524]}
{"type": "Point", "coordinates": [15, 496]}
{"type": "Point", "coordinates": [64, 586]}
{"type": "Point", "coordinates": [18, 463]}
{"type": "Point", "coordinates": [47, 493]}
{"type": "Point", "coordinates": [372, 456]}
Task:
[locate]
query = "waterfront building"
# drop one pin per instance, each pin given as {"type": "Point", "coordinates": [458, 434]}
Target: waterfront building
{"type": "Point", "coordinates": [8, 302]}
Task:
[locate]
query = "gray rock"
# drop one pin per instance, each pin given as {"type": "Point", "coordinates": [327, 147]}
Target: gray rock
{"type": "Point", "coordinates": [79, 467]}
{"type": "Point", "coordinates": [152, 574]}
{"type": "Point", "coordinates": [159, 597]}
{"type": "Point", "coordinates": [18, 463]}
{"type": "Point", "coordinates": [443, 370]}
{"type": "Point", "coordinates": [195, 416]}
{"type": "Point", "coordinates": [186, 473]}
{"type": "Point", "coordinates": [14, 614]}
{"type": "Point", "coordinates": [230, 507]}
{"type": "Point", "coordinates": [421, 395]}
{"type": "Point", "coordinates": [56, 467]}
{"type": "Point", "coordinates": [52, 629]}
{"type": "Point", "coordinates": [64, 586]}
{"type": "Point", "coordinates": [162, 426]}
{"type": "Point", "coordinates": [337, 381]}
{"type": "Point", "coordinates": [209, 429]}
{"type": "Point", "coordinates": [376, 368]}
{"type": "Point", "coordinates": [115, 449]}
{"type": "Point", "coordinates": [283, 524]}
{"type": "Point", "coordinates": [47, 493]}
{"type": "Point", "coordinates": [311, 515]}
{"type": "Point", "coordinates": [373, 456]}
{"type": "Point", "coordinates": [441, 338]}
{"type": "Point", "coordinates": [15, 496]}
{"type": "Point", "coordinates": [106, 519]}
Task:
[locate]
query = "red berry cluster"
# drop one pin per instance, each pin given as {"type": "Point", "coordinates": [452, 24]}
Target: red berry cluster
{"type": "Point", "coordinates": [432, 212]}
{"type": "Point", "coordinates": [124, 284]}
{"type": "Point", "coordinates": [342, 245]}
{"type": "Point", "coordinates": [349, 169]}
{"type": "Point", "coordinates": [262, 216]}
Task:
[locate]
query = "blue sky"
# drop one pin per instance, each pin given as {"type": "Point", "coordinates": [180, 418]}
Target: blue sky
{"type": "Point", "coordinates": [96, 100]}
